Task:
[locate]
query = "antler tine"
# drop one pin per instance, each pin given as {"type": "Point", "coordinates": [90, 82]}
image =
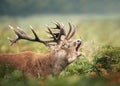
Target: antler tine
{"type": "Point", "coordinates": [61, 32]}
{"type": "Point", "coordinates": [70, 33]}
{"type": "Point", "coordinates": [20, 34]}
{"type": "Point", "coordinates": [21, 31]}
{"type": "Point", "coordinates": [17, 36]}
{"type": "Point", "coordinates": [57, 25]}
{"type": "Point", "coordinates": [60, 27]}
{"type": "Point", "coordinates": [56, 35]}
{"type": "Point", "coordinates": [37, 38]}
{"type": "Point", "coordinates": [53, 35]}
{"type": "Point", "coordinates": [73, 32]}
{"type": "Point", "coordinates": [13, 41]}
{"type": "Point", "coordinates": [67, 36]}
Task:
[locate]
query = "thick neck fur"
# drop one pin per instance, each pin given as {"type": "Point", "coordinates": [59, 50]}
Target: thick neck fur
{"type": "Point", "coordinates": [53, 63]}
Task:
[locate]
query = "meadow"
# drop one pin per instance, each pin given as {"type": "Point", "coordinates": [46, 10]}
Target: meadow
{"type": "Point", "coordinates": [98, 66]}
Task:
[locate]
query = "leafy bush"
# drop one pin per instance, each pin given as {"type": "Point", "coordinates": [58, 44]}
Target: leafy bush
{"type": "Point", "coordinates": [5, 70]}
{"type": "Point", "coordinates": [107, 61]}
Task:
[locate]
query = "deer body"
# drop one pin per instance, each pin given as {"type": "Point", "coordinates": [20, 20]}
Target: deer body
{"type": "Point", "coordinates": [33, 63]}
{"type": "Point", "coordinates": [52, 62]}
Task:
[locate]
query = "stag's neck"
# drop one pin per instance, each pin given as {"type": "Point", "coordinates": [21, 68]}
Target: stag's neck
{"type": "Point", "coordinates": [59, 66]}
{"type": "Point", "coordinates": [53, 63]}
{"type": "Point", "coordinates": [60, 61]}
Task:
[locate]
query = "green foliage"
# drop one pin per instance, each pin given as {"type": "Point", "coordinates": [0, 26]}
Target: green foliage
{"type": "Point", "coordinates": [5, 69]}
{"type": "Point", "coordinates": [106, 61]}
{"type": "Point", "coordinates": [79, 67]}
{"type": "Point", "coordinates": [17, 78]}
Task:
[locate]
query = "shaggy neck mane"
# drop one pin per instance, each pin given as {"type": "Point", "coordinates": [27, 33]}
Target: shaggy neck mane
{"type": "Point", "coordinates": [52, 63]}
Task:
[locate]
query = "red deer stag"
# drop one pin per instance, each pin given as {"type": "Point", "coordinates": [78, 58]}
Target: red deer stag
{"type": "Point", "coordinates": [63, 52]}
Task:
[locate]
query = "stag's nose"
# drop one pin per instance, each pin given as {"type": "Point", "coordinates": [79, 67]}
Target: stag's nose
{"type": "Point", "coordinates": [79, 41]}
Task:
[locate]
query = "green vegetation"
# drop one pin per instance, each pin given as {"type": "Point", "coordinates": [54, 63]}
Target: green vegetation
{"type": "Point", "coordinates": [99, 65]}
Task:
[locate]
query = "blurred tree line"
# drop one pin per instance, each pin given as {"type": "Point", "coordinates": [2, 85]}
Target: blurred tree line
{"type": "Point", "coordinates": [16, 7]}
{"type": "Point", "coordinates": [26, 7]}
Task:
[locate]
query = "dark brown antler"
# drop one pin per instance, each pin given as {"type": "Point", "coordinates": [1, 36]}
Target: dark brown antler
{"type": "Point", "coordinates": [20, 34]}
{"type": "Point", "coordinates": [61, 32]}
{"type": "Point", "coordinates": [56, 36]}
{"type": "Point", "coordinates": [70, 33]}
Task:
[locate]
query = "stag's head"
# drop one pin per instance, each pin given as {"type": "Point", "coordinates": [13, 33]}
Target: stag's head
{"type": "Point", "coordinates": [59, 41]}
{"type": "Point", "coordinates": [64, 46]}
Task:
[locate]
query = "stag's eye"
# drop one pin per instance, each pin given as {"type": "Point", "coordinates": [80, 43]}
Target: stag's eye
{"type": "Point", "coordinates": [63, 44]}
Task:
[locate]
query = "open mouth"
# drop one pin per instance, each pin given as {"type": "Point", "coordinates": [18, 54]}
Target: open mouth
{"type": "Point", "coordinates": [78, 46]}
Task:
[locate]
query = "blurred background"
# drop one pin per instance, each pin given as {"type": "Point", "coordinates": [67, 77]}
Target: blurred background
{"type": "Point", "coordinates": [31, 7]}
{"type": "Point", "coordinates": [47, 11]}
{"type": "Point", "coordinates": [98, 26]}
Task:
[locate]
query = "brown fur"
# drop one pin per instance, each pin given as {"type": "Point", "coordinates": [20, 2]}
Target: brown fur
{"type": "Point", "coordinates": [30, 62]}
{"type": "Point", "coordinates": [52, 62]}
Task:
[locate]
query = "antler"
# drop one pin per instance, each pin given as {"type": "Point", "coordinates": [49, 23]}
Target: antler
{"type": "Point", "coordinates": [20, 34]}
{"type": "Point", "coordinates": [56, 36]}
{"type": "Point", "coordinates": [70, 33]}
